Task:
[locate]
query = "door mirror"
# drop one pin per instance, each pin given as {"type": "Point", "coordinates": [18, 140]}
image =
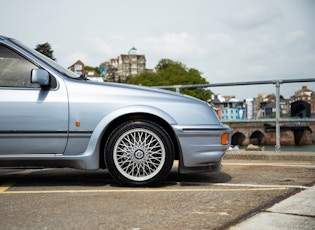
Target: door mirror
{"type": "Point", "coordinates": [40, 77]}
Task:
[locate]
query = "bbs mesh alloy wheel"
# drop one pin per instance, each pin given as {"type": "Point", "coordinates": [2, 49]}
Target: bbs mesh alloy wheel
{"type": "Point", "coordinates": [139, 153]}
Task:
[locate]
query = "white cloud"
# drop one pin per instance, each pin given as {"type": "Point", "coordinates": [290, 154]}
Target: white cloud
{"type": "Point", "coordinates": [73, 57]}
{"type": "Point", "coordinates": [254, 16]}
{"type": "Point", "coordinates": [219, 41]}
{"type": "Point", "coordinates": [172, 45]}
{"type": "Point", "coordinates": [180, 47]}
{"type": "Point", "coordinates": [294, 36]}
{"type": "Point", "coordinates": [256, 70]}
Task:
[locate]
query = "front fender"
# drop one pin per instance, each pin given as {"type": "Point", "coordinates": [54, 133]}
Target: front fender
{"type": "Point", "coordinates": [90, 157]}
{"type": "Point", "coordinates": [135, 109]}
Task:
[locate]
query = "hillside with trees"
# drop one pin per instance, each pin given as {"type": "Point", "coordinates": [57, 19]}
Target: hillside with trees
{"type": "Point", "coordinates": [169, 72]}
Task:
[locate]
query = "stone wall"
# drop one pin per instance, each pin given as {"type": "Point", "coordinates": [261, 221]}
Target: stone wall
{"type": "Point", "coordinates": [257, 133]}
{"type": "Point", "coordinates": [286, 138]}
{"type": "Point", "coordinates": [290, 138]}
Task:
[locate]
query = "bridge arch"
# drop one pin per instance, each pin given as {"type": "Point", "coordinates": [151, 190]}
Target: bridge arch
{"type": "Point", "coordinates": [303, 136]}
{"type": "Point", "coordinates": [238, 138]}
{"type": "Point", "coordinates": [257, 138]}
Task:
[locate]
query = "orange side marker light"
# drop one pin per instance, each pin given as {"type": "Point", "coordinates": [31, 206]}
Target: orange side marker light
{"type": "Point", "coordinates": [225, 139]}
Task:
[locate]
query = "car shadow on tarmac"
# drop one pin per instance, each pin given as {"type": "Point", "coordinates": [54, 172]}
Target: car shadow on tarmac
{"type": "Point", "coordinates": [198, 179]}
{"type": "Point", "coordinates": [98, 178]}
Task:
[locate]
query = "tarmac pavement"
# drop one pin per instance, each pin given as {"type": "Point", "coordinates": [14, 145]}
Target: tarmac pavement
{"type": "Point", "coordinates": [296, 212]}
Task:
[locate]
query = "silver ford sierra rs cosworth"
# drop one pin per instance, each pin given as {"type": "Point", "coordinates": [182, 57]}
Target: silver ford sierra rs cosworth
{"type": "Point", "coordinates": [51, 117]}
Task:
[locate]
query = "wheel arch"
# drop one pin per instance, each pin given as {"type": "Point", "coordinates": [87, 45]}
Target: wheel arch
{"type": "Point", "coordinates": [150, 117]}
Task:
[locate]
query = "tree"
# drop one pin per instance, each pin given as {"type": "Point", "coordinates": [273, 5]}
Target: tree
{"type": "Point", "coordinates": [45, 49]}
{"type": "Point", "coordinates": [90, 68]}
{"type": "Point", "coordinates": [168, 72]}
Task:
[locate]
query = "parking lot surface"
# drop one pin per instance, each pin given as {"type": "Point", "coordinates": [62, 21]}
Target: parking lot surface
{"type": "Point", "coordinates": [77, 199]}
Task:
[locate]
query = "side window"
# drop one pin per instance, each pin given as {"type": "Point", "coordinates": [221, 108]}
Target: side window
{"type": "Point", "coordinates": [15, 70]}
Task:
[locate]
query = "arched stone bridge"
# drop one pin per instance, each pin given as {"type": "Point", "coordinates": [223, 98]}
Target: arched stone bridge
{"type": "Point", "coordinates": [263, 133]}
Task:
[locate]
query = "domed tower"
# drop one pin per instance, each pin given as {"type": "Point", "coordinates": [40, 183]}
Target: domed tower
{"type": "Point", "coordinates": [135, 61]}
{"type": "Point", "coordinates": [132, 51]}
{"type": "Point", "coordinates": [130, 64]}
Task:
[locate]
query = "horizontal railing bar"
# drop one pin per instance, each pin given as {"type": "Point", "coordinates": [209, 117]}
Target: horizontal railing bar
{"type": "Point", "coordinates": [238, 83]}
{"type": "Point", "coordinates": [271, 120]}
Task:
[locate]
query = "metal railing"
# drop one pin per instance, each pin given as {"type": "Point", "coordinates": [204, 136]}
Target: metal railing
{"type": "Point", "coordinates": [277, 84]}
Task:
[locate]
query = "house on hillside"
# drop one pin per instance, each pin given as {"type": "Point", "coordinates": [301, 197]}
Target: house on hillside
{"type": "Point", "coordinates": [229, 108]}
{"type": "Point", "coordinates": [77, 67]}
{"type": "Point", "coordinates": [306, 95]}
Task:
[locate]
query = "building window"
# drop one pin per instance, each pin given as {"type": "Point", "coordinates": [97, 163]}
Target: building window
{"type": "Point", "coordinates": [78, 69]}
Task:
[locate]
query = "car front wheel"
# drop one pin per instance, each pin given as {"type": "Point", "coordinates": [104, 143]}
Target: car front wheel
{"type": "Point", "coordinates": [139, 153]}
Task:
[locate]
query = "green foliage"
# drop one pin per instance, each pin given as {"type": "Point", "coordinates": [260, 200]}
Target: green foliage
{"type": "Point", "coordinates": [90, 68]}
{"type": "Point", "coordinates": [169, 72]}
{"type": "Point", "coordinates": [97, 70]}
{"type": "Point", "coordinates": [45, 49]}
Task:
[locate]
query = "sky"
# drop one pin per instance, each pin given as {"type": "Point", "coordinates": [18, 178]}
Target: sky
{"type": "Point", "coordinates": [226, 40]}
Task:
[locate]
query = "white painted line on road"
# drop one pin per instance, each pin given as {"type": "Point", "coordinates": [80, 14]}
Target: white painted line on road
{"type": "Point", "coordinates": [261, 185]}
{"type": "Point", "coordinates": [303, 165]}
{"type": "Point", "coordinates": [248, 185]}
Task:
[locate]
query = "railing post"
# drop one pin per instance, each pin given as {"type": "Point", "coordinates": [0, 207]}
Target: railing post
{"type": "Point", "coordinates": [277, 147]}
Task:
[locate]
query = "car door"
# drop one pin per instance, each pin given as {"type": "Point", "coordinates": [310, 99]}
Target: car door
{"type": "Point", "coordinates": [33, 119]}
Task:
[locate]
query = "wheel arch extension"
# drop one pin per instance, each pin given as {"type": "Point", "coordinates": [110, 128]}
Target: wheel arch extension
{"type": "Point", "coordinates": [137, 116]}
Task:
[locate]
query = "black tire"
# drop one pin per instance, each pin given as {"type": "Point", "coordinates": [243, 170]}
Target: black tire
{"type": "Point", "coordinates": [139, 153]}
